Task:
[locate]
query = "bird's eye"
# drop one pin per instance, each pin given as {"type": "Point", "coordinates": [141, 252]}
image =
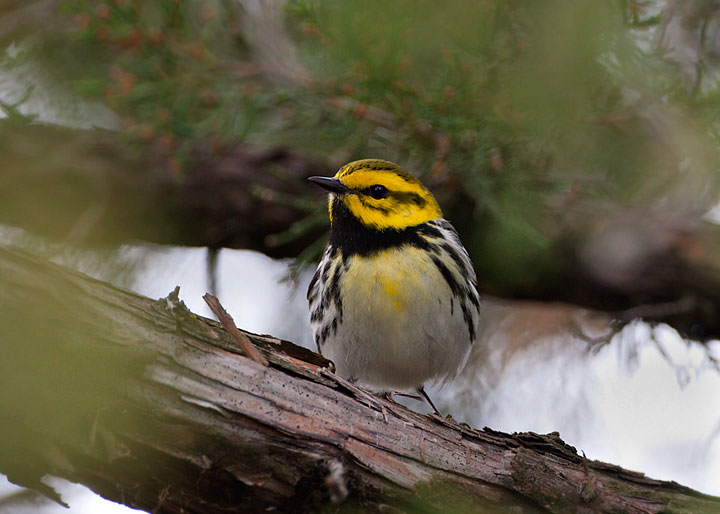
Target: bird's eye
{"type": "Point", "coordinates": [377, 191]}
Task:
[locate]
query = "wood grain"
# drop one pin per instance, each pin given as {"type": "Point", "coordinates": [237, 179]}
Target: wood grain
{"type": "Point", "coordinates": [155, 407]}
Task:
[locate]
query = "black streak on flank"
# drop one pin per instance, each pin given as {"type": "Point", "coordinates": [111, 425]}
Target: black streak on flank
{"type": "Point", "coordinates": [316, 315]}
{"type": "Point", "coordinates": [468, 320]}
{"type": "Point", "coordinates": [460, 292]}
{"type": "Point", "coordinates": [448, 276]}
{"type": "Point", "coordinates": [474, 299]}
{"type": "Point", "coordinates": [314, 280]}
{"type": "Point", "coordinates": [429, 230]}
{"type": "Point", "coordinates": [321, 336]}
{"type": "Point", "coordinates": [455, 256]}
{"type": "Point", "coordinates": [332, 292]}
{"type": "Point", "coordinates": [326, 330]}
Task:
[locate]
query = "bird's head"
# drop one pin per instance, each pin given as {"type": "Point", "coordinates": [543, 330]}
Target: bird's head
{"type": "Point", "coordinates": [380, 195]}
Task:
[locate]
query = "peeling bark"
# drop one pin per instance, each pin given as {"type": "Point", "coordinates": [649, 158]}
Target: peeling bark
{"type": "Point", "coordinates": [155, 407]}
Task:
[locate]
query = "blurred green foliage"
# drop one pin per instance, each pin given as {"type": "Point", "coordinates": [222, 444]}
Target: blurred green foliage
{"type": "Point", "coordinates": [530, 108]}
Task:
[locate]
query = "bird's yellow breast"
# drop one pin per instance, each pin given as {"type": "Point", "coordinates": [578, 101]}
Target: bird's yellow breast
{"type": "Point", "coordinates": [391, 281]}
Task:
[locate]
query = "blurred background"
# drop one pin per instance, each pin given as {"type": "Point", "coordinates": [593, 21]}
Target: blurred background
{"type": "Point", "coordinates": [574, 145]}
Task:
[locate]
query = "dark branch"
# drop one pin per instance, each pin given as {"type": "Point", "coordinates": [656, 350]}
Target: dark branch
{"type": "Point", "coordinates": [154, 407]}
{"type": "Point", "coordinates": [95, 188]}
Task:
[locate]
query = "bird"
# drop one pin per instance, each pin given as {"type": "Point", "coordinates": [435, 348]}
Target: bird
{"type": "Point", "coordinates": [394, 301]}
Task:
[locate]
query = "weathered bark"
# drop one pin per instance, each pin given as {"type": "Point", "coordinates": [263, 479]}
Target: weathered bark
{"type": "Point", "coordinates": [154, 407]}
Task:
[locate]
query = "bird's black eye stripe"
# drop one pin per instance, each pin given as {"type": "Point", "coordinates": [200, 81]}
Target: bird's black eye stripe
{"type": "Point", "coordinates": [377, 191]}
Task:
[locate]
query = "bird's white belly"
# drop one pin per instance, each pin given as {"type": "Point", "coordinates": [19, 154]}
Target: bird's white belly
{"type": "Point", "coordinates": [399, 327]}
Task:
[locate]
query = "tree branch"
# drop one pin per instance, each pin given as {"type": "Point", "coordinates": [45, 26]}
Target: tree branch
{"type": "Point", "coordinates": [97, 188]}
{"type": "Point", "coordinates": [154, 407]}
{"type": "Point", "coordinates": [93, 187]}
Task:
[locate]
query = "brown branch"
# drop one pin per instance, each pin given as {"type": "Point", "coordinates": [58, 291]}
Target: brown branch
{"type": "Point", "coordinates": [96, 189]}
{"type": "Point", "coordinates": [155, 407]}
{"type": "Point", "coordinates": [229, 325]}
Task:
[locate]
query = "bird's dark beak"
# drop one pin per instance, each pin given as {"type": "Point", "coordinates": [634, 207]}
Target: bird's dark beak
{"type": "Point", "coordinates": [331, 184]}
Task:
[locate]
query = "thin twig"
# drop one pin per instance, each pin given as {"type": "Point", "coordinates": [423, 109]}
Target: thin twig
{"type": "Point", "coordinates": [655, 310]}
{"type": "Point", "coordinates": [597, 342]}
{"type": "Point", "coordinates": [700, 63]}
{"type": "Point", "coordinates": [415, 397]}
{"type": "Point", "coordinates": [242, 340]}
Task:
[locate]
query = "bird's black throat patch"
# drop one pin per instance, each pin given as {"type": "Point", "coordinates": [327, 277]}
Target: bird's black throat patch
{"type": "Point", "coordinates": [352, 237]}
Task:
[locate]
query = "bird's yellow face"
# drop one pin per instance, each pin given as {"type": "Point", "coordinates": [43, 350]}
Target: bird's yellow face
{"type": "Point", "coordinates": [380, 195]}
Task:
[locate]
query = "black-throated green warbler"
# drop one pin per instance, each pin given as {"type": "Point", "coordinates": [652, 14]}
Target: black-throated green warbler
{"type": "Point", "coordinates": [393, 302]}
